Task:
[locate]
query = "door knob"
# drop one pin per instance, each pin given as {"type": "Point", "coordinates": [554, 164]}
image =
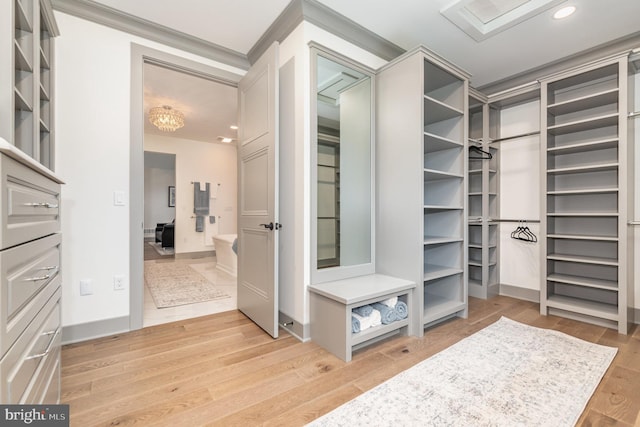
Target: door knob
{"type": "Point", "coordinates": [269, 226]}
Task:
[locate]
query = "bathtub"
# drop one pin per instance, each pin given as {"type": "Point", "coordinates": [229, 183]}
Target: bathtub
{"type": "Point", "coordinates": [226, 258]}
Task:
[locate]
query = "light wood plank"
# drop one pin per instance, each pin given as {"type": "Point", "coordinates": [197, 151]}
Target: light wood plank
{"type": "Point", "coordinates": [224, 370]}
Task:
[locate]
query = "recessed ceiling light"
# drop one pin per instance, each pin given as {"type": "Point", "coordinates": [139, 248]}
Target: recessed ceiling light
{"type": "Point", "coordinates": [564, 12]}
{"type": "Point", "coordinates": [234, 127]}
{"type": "Point", "coordinates": [225, 139]}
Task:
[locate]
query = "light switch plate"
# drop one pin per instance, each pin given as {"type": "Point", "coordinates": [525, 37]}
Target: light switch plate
{"type": "Point", "coordinates": [118, 198]}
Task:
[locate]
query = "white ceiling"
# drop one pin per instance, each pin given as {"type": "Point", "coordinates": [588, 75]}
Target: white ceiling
{"type": "Point", "coordinates": [209, 107]}
{"type": "Point", "coordinates": [238, 25]}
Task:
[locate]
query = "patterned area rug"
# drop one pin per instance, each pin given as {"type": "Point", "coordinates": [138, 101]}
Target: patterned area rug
{"type": "Point", "coordinates": [508, 374]}
{"type": "Point", "coordinates": [174, 284]}
{"type": "Point", "coordinates": [160, 250]}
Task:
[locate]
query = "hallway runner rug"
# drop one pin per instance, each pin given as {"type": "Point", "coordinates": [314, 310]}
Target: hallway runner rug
{"type": "Point", "coordinates": [174, 284]}
{"type": "Point", "coordinates": [507, 374]}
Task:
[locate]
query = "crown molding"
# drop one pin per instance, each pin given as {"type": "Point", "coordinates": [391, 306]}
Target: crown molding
{"type": "Point", "coordinates": [104, 15]}
{"type": "Point", "coordinates": [328, 19]}
{"type": "Point", "coordinates": [590, 55]}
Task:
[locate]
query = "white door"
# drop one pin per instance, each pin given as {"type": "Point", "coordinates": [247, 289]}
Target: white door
{"type": "Point", "coordinates": [258, 192]}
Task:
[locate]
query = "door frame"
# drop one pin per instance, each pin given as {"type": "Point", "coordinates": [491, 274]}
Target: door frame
{"type": "Point", "coordinates": [139, 56]}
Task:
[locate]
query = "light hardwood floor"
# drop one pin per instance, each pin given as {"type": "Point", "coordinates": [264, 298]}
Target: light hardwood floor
{"type": "Point", "coordinates": [223, 370]}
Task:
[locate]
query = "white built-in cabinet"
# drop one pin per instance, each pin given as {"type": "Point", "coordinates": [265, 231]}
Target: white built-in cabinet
{"type": "Point", "coordinates": [421, 170]}
{"type": "Point", "coordinates": [587, 195]}
{"type": "Point", "coordinates": [30, 239]}
{"type": "Point", "coordinates": [26, 80]}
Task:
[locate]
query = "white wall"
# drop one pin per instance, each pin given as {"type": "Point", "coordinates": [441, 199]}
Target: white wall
{"type": "Point", "coordinates": [158, 176]}
{"type": "Point", "coordinates": [93, 75]}
{"type": "Point", "coordinates": [296, 274]}
{"type": "Point", "coordinates": [520, 195]}
{"type": "Point", "coordinates": [202, 162]}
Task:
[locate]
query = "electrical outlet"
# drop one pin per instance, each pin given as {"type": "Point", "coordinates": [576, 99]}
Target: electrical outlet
{"type": "Point", "coordinates": [86, 287]}
{"type": "Point", "coordinates": [118, 283]}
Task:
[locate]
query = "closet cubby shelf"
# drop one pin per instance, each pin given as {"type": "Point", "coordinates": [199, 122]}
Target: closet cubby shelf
{"type": "Point", "coordinates": [583, 237]}
{"type": "Point", "coordinates": [476, 193]}
{"type": "Point", "coordinates": [433, 272]}
{"type": "Point", "coordinates": [437, 175]}
{"type": "Point", "coordinates": [583, 102]}
{"type": "Point", "coordinates": [438, 111]}
{"type": "Point", "coordinates": [582, 306]}
{"type": "Point", "coordinates": [22, 63]}
{"type": "Point", "coordinates": [475, 282]}
{"type": "Point", "coordinates": [437, 307]}
{"type": "Point", "coordinates": [583, 259]}
{"type": "Point", "coordinates": [21, 102]}
{"type": "Point", "coordinates": [433, 143]}
{"type": "Point", "coordinates": [583, 125]}
{"type": "Point", "coordinates": [588, 282]}
{"type": "Point", "coordinates": [437, 240]}
{"type": "Point", "coordinates": [376, 331]}
{"type": "Point", "coordinates": [44, 95]}
{"type": "Point", "coordinates": [435, 208]}
{"type": "Point", "coordinates": [22, 18]}
{"type": "Point", "coordinates": [581, 147]}
{"type": "Point", "coordinates": [43, 126]}
{"type": "Point", "coordinates": [474, 171]}
{"type": "Point", "coordinates": [475, 245]}
{"type": "Point", "coordinates": [44, 61]}
{"type": "Point", "coordinates": [583, 191]}
{"type": "Point", "coordinates": [585, 169]}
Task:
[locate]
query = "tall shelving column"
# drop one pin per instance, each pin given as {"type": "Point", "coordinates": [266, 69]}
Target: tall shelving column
{"type": "Point", "coordinates": [26, 83]}
{"type": "Point", "coordinates": [584, 211]}
{"type": "Point", "coordinates": [483, 199]}
{"type": "Point", "coordinates": [421, 178]}
{"type": "Point", "coordinates": [445, 163]}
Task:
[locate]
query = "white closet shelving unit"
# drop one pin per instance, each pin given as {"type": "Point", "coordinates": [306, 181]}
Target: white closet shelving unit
{"type": "Point", "coordinates": [483, 199]}
{"type": "Point", "coordinates": [587, 183]}
{"type": "Point", "coordinates": [26, 83]}
{"type": "Point", "coordinates": [421, 166]}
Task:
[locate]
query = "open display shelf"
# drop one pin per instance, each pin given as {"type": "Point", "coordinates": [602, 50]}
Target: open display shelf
{"type": "Point", "coordinates": [585, 162]}
{"type": "Point", "coordinates": [482, 197]}
{"type": "Point", "coordinates": [427, 186]}
{"type": "Point", "coordinates": [26, 120]}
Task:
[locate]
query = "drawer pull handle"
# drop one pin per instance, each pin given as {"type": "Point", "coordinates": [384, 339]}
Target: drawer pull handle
{"type": "Point", "coordinates": [37, 356]}
{"type": "Point", "coordinates": [55, 331]}
{"type": "Point", "coordinates": [41, 205]}
{"type": "Point", "coordinates": [41, 355]}
{"type": "Point", "coordinates": [37, 278]}
{"type": "Point", "coordinates": [49, 268]}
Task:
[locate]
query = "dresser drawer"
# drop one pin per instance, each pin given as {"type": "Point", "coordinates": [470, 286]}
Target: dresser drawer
{"type": "Point", "coordinates": [30, 204]}
{"type": "Point", "coordinates": [25, 272]}
{"type": "Point", "coordinates": [25, 364]}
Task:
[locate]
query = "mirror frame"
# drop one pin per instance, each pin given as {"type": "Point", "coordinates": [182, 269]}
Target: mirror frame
{"type": "Point", "coordinates": [340, 272]}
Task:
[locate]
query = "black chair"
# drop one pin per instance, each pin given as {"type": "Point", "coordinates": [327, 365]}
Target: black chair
{"type": "Point", "coordinates": [165, 234]}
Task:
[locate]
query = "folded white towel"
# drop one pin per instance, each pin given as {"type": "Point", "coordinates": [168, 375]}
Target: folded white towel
{"type": "Point", "coordinates": [365, 321]}
{"type": "Point", "coordinates": [376, 318]}
{"type": "Point", "coordinates": [391, 302]}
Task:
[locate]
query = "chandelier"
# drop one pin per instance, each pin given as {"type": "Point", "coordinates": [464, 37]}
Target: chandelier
{"type": "Point", "coordinates": [166, 118]}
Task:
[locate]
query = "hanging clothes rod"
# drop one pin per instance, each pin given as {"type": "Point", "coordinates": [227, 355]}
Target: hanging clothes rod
{"type": "Point", "coordinates": [634, 223]}
{"type": "Point", "coordinates": [515, 220]}
{"type": "Point", "coordinates": [633, 114]}
{"type": "Point", "coordinates": [515, 136]}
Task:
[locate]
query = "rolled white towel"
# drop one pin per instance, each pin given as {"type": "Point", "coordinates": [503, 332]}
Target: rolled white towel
{"type": "Point", "coordinates": [376, 318]}
{"type": "Point", "coordinates": [365, 321]}
{"type": "Point", "coordinates": [391, 302]}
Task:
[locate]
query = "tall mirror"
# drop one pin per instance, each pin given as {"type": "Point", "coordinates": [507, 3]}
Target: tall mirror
{"type": "Point", "coordinates": [342, 203]}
